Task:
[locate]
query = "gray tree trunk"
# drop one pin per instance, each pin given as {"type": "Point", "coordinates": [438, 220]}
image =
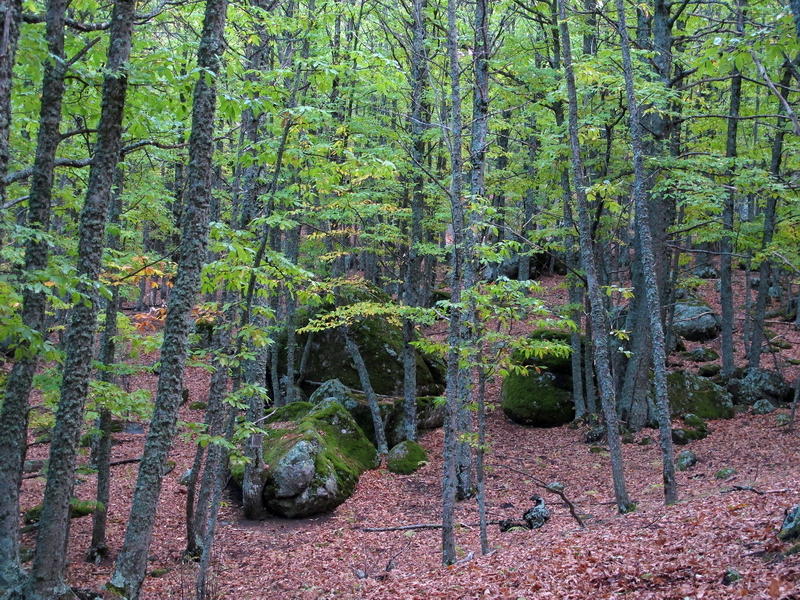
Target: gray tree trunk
{"type": "Point", "coordinates": [101, 447]}
{"type": "Point", "coordinates": [648, 260]}
{"type": "Point", "coordinates": [46, 576]}
{"type": "Point", "coordinates": [598, 318]}
{"type": "Point", "coordinates": [372, 400]}
{"type": "Point", "coordinates": [726, 245]}
{"type": "Point", "coordinates": [131, 564]}
{"type": "Point", "coordinates": [11, 11]}
{"type": "Point", "coordinates": [14, 411]}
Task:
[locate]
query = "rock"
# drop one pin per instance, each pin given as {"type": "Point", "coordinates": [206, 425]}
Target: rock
{"type": "Point", "coordinates": [406, 457]}
{"type": "Point", "coordinates": [381, 343]}
{"type": "Point", "coordinates": [758, 384]}
{"type": "Point", "coordinates": [184, 478]}
{"type": "Point", "coordinates": [686, 460]}
{"type": "Point", "coordinates": [33, 466]}
{"type": "Point", "coordinates": [725, 473]}
{"type": "Point", "coordinates": [77, 508]}
{"type": "Point", "coordinates": [706, 272]}
{"type": "Point", "coordinates": [690, 393]}
{"type": "Point", "coordinates": [701, 354]}
{"type": "Point", "coordinates": [543, 397]}
{"type": "Point", "coordinates": [198, 405]}
{"type": "Point", "coordinates": [709, 370]}
{"type": "Point", "coordinates": [681, 437]}
{"type": "Point", "coordinates": [763, 407]}
{"type": "Point", "coordinates": [695, 321]}
{"type": "Point", "coordinates": [430, 411]}
{"type": "Point", "coordinates": [730, 576]}
{"type": "Point", "coordinates": [790, 529]}
{"type": "Point", "coordinates": [694, 422]}
{"type": "Point", "coordinates": [314, 456]}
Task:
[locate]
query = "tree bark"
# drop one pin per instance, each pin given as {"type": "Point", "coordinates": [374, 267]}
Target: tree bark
{"type": "Point", "coordinates": [598, 318]}
{"type": "Point", "coordinates": [11, 11]}
{"type": "Point", "coordinates": [14, 412]}
{"type": "Point", "coordinates": [372, 400]}
{"type": "Point", "coordinates": [648, 260]}
{"type": "Point", "coordinates": [46, 576]}
{"type": "Point", "coordinates": [131, 565]}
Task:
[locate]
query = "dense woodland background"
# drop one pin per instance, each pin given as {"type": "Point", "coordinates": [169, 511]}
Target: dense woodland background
{"type": "Point", "coordinates": [224, 171]}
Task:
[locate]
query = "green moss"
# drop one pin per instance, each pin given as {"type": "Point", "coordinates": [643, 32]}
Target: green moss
{"type": "Point", "coordinates": [198, 405]}
{"type": "Point", "coordinates": [406, 457]}
{"type": "Point", "coordinates": [77, 508]}
{"type": "Point", "coordinates": [535, 400]}
{"type": "Point", "coordinates": [689, 393]}
{"type": "Point", "coordinates": [725, 473]}
{"type": "Point", "coordinates": [156, 573]}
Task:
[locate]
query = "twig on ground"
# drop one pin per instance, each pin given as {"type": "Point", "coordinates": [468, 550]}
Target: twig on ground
{"type": "Point", "coordinates": [423, 526]}
{"type": "Point", "coordinates": [553, 490]}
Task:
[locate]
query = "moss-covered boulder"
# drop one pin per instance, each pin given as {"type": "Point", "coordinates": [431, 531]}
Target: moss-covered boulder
{"type": "Point", "coordinates": [406, 457]}
{"type": "Point", "coordinates": [696, 321]}
{"type": "Point", "coordinates": [690, 393]}
{"type": "Point", "coordinates": [543, 396]}
{"type": "Point", "coordinates": [77, 508]}
{"type": "Point", "coordinates": [380, 341]}
{"type": "Point", "coordinates": [314, 456]}
{"type": "Point", "coordinates": [430, 412]}
{"type": "Point", "coordinates": [760, 384]}
{"type": "Point", "coordinates": [686, 460]}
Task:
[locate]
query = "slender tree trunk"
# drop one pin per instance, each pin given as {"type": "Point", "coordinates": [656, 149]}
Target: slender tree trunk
{"type": "Point", "coordinates": [597, 315]}
{"type": "Point", "coordinates": [101, 448]}
{"type": "Point", "coordinates": [131, 564]}
{"type": "Point", "coordinates": [648, 260]}
{"type": "Point", "coordinates": [45, 580]}
{"type": "Point", "coordinates": [412, 292]}
{"type": "Point", "coordinates": [757, 337]}
{"type": "Point", "coordinates": [11, 11]}
{"type": "Point", "coordinates": [726, 245]}
{"type": "Point", "coordinates": [14, 411]}
{"type": "Point", "coordinates": [372, 400]}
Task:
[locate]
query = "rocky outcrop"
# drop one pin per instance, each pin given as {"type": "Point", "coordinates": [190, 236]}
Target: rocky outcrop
{"type": "Point", "coordinates": [543, 396]}
{"type": "Point", "coordinates": [430, 412]}
{"type": "Point", "coordinates": [760, 384]}
{"type": "Point", "coordinates": [696, 321]}
{"type": "Point", "coordinates": [314, 456]}
{"type": "Point", "coordinates": [692, 394]}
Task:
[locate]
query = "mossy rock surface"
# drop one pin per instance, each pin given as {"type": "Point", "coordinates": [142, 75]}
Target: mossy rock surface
{"type": "Point", "coordinates": [380, 342]}
{"type": "Point", "coordinates": [406, 457]}
{"type": "Point", "coordinates": [690, 393]}
{"type": "Point", "coordinates": [314, 455]}
{"type": "Point", "coordinates": [536, 400]}
{"type": "Point", "coordinates": [543, 397]}
{"type": "Point", "coordinates": [77, 508]}
{"type": "Point", "coordinates": [430, 412]}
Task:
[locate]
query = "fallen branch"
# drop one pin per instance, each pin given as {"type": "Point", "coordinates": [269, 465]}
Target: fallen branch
{"type": "Point", "coordinates": [423, 526]}
{"type": "Point", "coordinates": [749, 488]}
{"type": "Point", "coordinates": [553, 490]}
{"type": "Point", "coordinates": [127, 461]}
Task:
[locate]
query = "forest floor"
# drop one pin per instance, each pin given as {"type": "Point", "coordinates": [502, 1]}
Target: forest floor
{"type": "Point", "coordinates": [676, 552]}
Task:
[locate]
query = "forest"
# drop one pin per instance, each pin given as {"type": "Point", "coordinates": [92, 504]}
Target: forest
{"type": "Point", "coordinates": [408, 234]}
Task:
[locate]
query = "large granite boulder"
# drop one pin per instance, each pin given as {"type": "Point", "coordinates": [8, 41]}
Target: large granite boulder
{"type": "Point", "coordinates": [760, 384]}
{"type": "Point", "coordinates": [692, 394]}
{"type": "Point", "coordinates": [543, 396]}
{"type": "Point", "coordinates": [430, 412]}
{"type": "Point", "coordinates": [314, 456]}
{"type": "Point", "coordinates": [380, 340]}
{"type": "Point", "coordinates": [696, 321]}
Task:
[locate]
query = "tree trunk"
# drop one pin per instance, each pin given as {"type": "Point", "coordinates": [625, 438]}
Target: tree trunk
{"type": "Point", "coordinates": [131, 565]}
{"type": "Point", "coordinates": [11, 11]}
{"type": "Point", "coordinates": [648, 260]}
{"type": "Point", "coordinates": [597, 315]}
{"type": "Point", "coordinates": [363, 375]}
{"type": "Point", "coordinates": [14, 411]}
{"type": "Point", "coordinates": [45, 580]}
{"type": "Point", "coordinates": [726, 246]}
{"type": "Point", "coordinates": [101, 447]}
